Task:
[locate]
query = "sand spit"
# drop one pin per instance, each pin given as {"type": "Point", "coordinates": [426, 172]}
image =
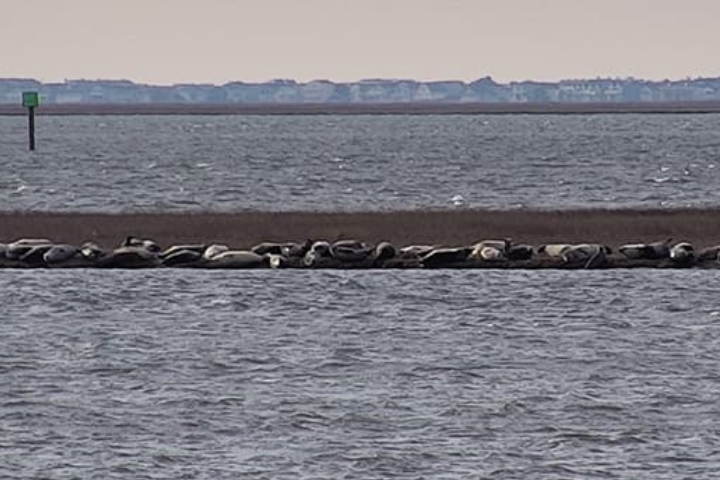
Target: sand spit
{"type": "Point", "coordinates": [241, 231]}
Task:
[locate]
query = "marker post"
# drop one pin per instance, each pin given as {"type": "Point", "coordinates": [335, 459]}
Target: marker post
{"type": "Point", "coordinates": [30, 100]}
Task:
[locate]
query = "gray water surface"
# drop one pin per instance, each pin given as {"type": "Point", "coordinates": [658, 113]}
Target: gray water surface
{"type": "Point", "coordinates": [136, 163]}
{"type": "Point", "coordinates": [364, 374]}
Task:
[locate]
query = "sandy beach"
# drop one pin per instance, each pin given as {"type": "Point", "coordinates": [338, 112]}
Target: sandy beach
{"type": "Point", "coordinates": [450, 228]}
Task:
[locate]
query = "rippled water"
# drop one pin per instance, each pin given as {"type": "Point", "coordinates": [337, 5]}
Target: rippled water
{"type": "Point", "coordinates": [363, 374]}
{"type": "Point", "coordinates": [360, 162]}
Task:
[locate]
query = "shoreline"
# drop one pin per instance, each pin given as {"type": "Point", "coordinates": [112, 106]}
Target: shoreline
{"type": "Point", "coordinates": [699, 226]}
{"type": "Point", "coordinates": [415, 108]}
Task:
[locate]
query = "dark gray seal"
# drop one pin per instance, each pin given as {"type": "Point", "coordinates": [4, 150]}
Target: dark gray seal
{"type": "Point", "coordinates": [446, 257]}
{"type": "Point", "coordinates": [130, 257]}
{"type": "Point", "coordinates": [147, 244]}
{"type": "Point", "coordinates": [589, 255]}
{"type": "Point", "coordinates": [351, 251]}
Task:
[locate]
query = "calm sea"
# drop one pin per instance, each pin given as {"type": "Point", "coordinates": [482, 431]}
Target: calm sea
{"type": "Point", "coordinates": [172, 374]}
{"type": "Point", "coordinates": [360, 162]}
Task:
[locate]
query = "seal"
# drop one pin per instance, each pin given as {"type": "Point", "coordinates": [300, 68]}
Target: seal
{"type": "Point", "coordinates": [172, 250]}
{"type": "Point", "coordinates": [659, 250]}
{"type": "Point", "coordinates": [58, 254]}
{"type": "Point", "coordinates": [182, 258]}
{"type": "Point", "coordinates": [646, 251]}
{"type": "Point", "coordinates": [553, 249]}
{"type": "Point", "coordinates": [708, 254]}
{"type": "Point", "coordinates": [682, 254]}
{"type": "Point", "coordinates": [297, 250]}
{"type": "Point", "coordinates": [446, 257]}
{"type": "Point", "coordinates": [487, 253]}
{"type": "Point", "coordinates": [149, 245]}
{"type": "Point", "coordinates": [34, 257]}
{"type": "Point", "coordinates": [130, 257]}
{"type": "Point", "coordinates": [520, 252]}
{"type": "Point", "coordinates": [213, 250]}
{"type": "Point", "coordinates": [19, 248]}
{"type": "Point", "coordinates": [266, 248]}
{"type": "Point", "coordinates": [416, 251]}
{"type": "Point", "coordinates": [91, 251]}
{"type": "Point", "coordinates": [502, 245]}
{"type": "Point", "coordinates": [319, 250]}
{"type": "Point", "coordinates": [236, 259]}
{"type": "Point", "coordinates": [350, 251]}
{"type": "Point", "coordinates": [589, 255]}
{"type": "Point", "coordinates": [384, 251]}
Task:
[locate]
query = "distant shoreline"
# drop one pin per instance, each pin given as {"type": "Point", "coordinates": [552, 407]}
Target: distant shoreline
{"type": "Point", "coordinates": [429, 108]}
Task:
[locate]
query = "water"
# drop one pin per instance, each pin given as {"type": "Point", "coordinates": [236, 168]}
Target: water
{"type": "Point", "coordinates": [364, 374]}
{"type": "Point", "coordinates": [360, 163]}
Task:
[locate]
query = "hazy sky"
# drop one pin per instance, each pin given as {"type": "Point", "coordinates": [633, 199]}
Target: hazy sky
{"type": "Point", "coordinates": [173, 41]}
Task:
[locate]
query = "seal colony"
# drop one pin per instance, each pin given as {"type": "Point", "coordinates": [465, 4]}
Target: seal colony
{"type": "Point", "coordinates": [137, 252]}
{"type": "Point", "coordinates": [456, 238]}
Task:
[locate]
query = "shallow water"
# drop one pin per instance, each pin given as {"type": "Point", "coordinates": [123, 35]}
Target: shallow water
{"type": "Point", "coordinates": [330, 162]}
{"type": "Point", "coordinates": [363, 374]}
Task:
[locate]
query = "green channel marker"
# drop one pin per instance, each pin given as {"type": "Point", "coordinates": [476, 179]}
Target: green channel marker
{"type": "Point", "coordinates": [30, 99]}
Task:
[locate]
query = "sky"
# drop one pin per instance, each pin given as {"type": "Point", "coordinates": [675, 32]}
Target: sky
{"type": "Point", "coordinates": [218, 41]}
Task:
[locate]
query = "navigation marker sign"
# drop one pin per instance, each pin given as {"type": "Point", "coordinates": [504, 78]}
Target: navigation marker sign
{"type": "Point", "coordinates": [30, 100]}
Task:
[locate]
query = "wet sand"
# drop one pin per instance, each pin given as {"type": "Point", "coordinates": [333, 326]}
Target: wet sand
{"type": "Point", "coordinates": [441, 227]}
{"type": "Point", "coordinates": [411, 108]}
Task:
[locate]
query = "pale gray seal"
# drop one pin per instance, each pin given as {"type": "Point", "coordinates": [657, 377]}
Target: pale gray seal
{"type": "Point", "coordinates": [236, 259]}
{"type": "Point", "coordinates": [69, 256]}
{"type": "Point", "coordinates": [58, 254]}
{"type": "Point", "coordinates": [92, 251]}
{"type": "Point", "coordinates": [502, 245]}
{"type": "Point", "coordinates": [553, 249]}
{"type": "Point", "coordinates": [213, 250]}
{"type": "Point", "coordinates": [487, 253]}
{"type": "Point", "coordinates": [682, 254]}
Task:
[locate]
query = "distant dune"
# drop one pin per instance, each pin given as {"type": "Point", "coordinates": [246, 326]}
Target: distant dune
{"type": "Point", "coordinates": [415, 108]}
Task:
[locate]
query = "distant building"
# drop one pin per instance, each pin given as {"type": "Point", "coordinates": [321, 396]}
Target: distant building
{"type": "Point", "coordinates": [374, 90]}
